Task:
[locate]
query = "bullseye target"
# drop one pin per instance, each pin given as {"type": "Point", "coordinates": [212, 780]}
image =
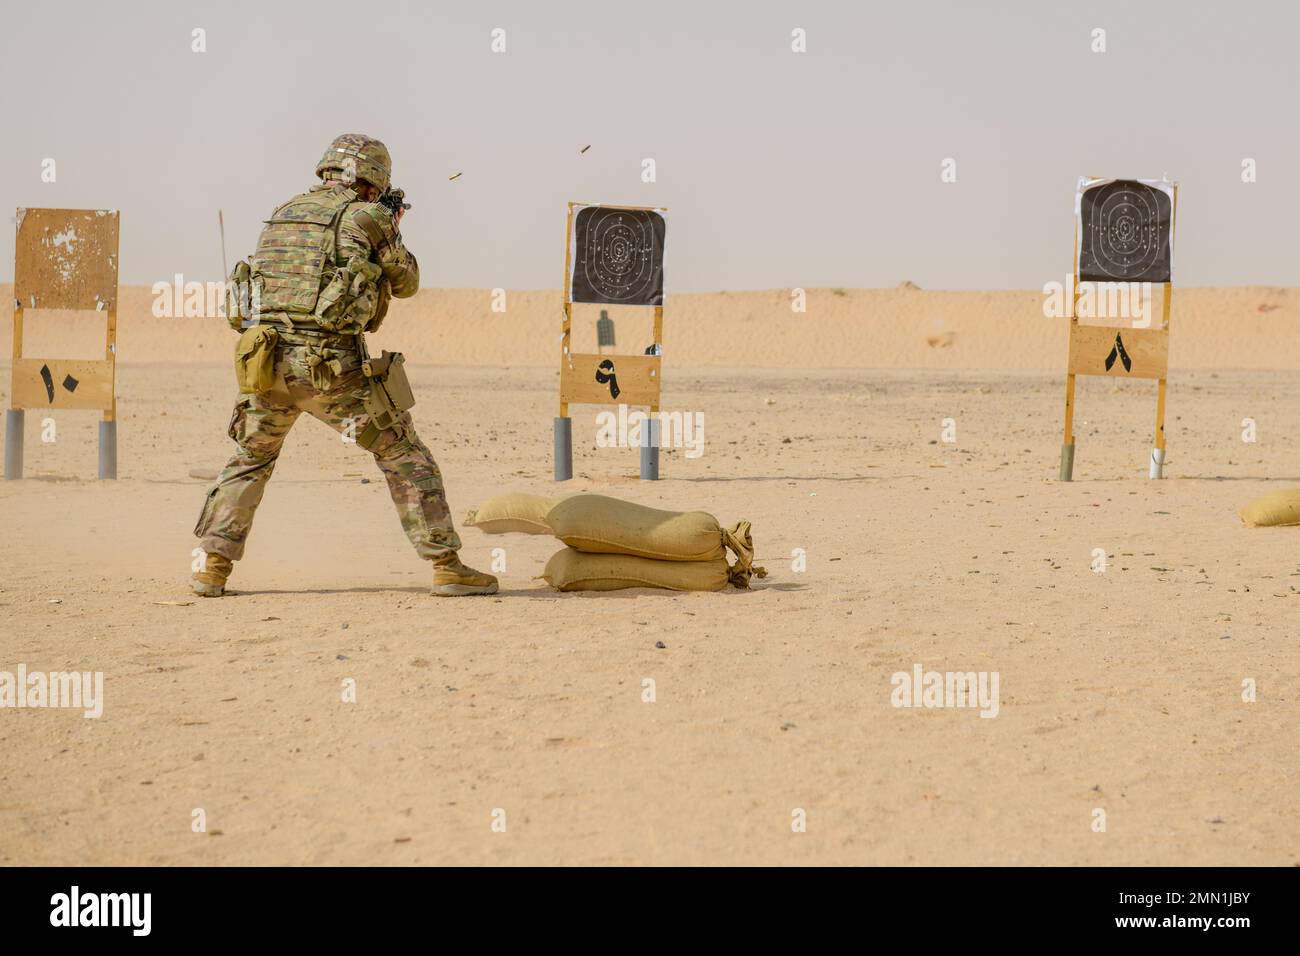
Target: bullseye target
{"type": "Point", "coordinates": [618, 256]}
{"type": "Point", "coordinates": [1126, 232]}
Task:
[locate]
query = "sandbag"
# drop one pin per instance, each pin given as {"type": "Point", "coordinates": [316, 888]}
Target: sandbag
{"type": "Point", "coordinates": [597, 524]}
{"type": "Point", "coordinates": [512, 512]}
{"type": "Point", "coordinates": [570, 570]}
{"type": "Point", "coordinates": [601, 525]}
{"type": "Point", "coordinates": [1273, 509]}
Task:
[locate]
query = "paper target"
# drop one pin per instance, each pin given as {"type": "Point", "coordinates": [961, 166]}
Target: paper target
{"type": "Point", "coordinates": [618, 256]}
{"type": "Point", "coordinates": [1126, 233]}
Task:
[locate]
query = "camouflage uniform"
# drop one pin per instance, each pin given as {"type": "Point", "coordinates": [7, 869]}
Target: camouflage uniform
{"type": "Point", "coordinates": [318, 363]}
{"type": "Point", "coordinates": [261, 423]}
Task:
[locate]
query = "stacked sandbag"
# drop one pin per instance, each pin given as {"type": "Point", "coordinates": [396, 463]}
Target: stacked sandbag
{"type": "Point", "coordinates": [514, 512]}
{"type": "Point", "coordinates": [614, 544]}
{"type": "Point", "coordinates": [1274, 509]}
{"type": "Point", "coordinates": [574, 570]}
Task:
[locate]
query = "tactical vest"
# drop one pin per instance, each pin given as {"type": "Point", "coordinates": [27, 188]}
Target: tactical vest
{"type": "Point", "coordinates": [294, 270]}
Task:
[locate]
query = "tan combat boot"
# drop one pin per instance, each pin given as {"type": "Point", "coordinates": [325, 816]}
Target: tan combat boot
{"type": "Point", "coordinates": [211, 581]}
{"type": "Point", "coordinates": [453, 579]}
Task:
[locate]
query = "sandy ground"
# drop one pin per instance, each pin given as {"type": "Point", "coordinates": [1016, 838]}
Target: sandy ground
{"type": "Point", "coordinates": [1119, 690]}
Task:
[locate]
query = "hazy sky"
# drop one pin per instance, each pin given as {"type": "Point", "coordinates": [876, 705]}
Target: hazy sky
{"type": "Point", "coordinates": [779, 169]}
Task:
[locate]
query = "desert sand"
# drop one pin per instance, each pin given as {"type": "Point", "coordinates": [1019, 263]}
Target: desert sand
{"type": "Point", "coordinates": [1237, 328]}
{"type": "Point", "coordinates": [1120, 691]}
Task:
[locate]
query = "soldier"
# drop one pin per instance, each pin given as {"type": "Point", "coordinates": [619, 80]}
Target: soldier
{"type": "Point", "coordinates": [325, 266]}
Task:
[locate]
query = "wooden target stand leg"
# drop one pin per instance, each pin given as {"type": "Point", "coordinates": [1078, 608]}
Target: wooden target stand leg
{"type": "Point", "coordinates": [1157, 468]}
{"type": "Point", "coordinates": [1067, 446]}
{"type": "Point", "coordinates": [650, 436]}
{"type": "Point", "coordinates": [108, 425]}
{"type": "Point", "coordinates": [563, 425]}
{"type": "Point", "coordinates": [15, 416]}
{"type": "Point", "coordinates": [1067, 443]}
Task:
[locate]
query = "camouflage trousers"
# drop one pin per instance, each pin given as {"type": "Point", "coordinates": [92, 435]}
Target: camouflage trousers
{"type": "Point", "coordinates": [261, 423]}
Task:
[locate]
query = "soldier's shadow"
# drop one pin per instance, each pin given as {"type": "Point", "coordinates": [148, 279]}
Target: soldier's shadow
{"type": "Point", "coordinates": [550, 594]}
{"type": "Point", "coordinates": [241, 592]}
{"type": "Point", "coordinates": [712, 478]}
{"type": "Point", "coordinates": [541, 592]}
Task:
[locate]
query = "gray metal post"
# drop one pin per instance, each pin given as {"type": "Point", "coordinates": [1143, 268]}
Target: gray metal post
{"type": "Point", "coordinates": [108, 449]}
{"type": "Point", "coordinates": [1157, 467]}
{"type": "Point", "coordinates": [1067, 462]}
{"type": "Point", "coordinates": [14, 443]}
{"type": "Point", "coordinates": [650, 449]}
{"type": "Point", "coordinates": [563, 448]}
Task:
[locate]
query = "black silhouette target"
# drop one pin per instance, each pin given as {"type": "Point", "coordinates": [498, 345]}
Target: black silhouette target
{"type": "Point", "coordinates": [1126, 233]}
{"type": "Point", "coordinates": [618, 256]}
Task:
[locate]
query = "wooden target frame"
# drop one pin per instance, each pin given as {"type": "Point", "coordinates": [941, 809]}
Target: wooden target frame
{"type": "Point", "coordinates": [65, 259]}
{"type": "Point", "coordinates": [638, 377]}
{"type": "Point", "coordinates": [1118, 351]}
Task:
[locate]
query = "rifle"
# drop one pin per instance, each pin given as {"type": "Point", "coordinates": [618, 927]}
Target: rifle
{"type": "Point", "coordinates": [395, 200]}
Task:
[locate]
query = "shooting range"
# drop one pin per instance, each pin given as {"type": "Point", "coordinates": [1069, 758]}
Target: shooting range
{"type": "Point", "coordinates": [613, 255]}
{"type": "Point", "coordinates": [1124, 232]}
{"type": "Point", "coordinates": [65, 259]}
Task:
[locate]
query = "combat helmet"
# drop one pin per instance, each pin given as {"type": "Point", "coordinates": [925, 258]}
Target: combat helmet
{"type": "Point", "coordinates": [358, 156]}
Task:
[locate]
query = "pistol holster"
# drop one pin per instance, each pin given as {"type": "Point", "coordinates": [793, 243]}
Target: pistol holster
{"type": "Point", "coordinates": [388, 397]}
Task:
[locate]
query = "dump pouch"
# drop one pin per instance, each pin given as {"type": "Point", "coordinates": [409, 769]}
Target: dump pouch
{"type": "Point", "coordinates": [255, 359]}
{"type": "Point", "coordinates": [389, 394]}
{"type": "Point", "coordinates": [333, 301]}
{"type": "Point", "coordinates": [348, 300]}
